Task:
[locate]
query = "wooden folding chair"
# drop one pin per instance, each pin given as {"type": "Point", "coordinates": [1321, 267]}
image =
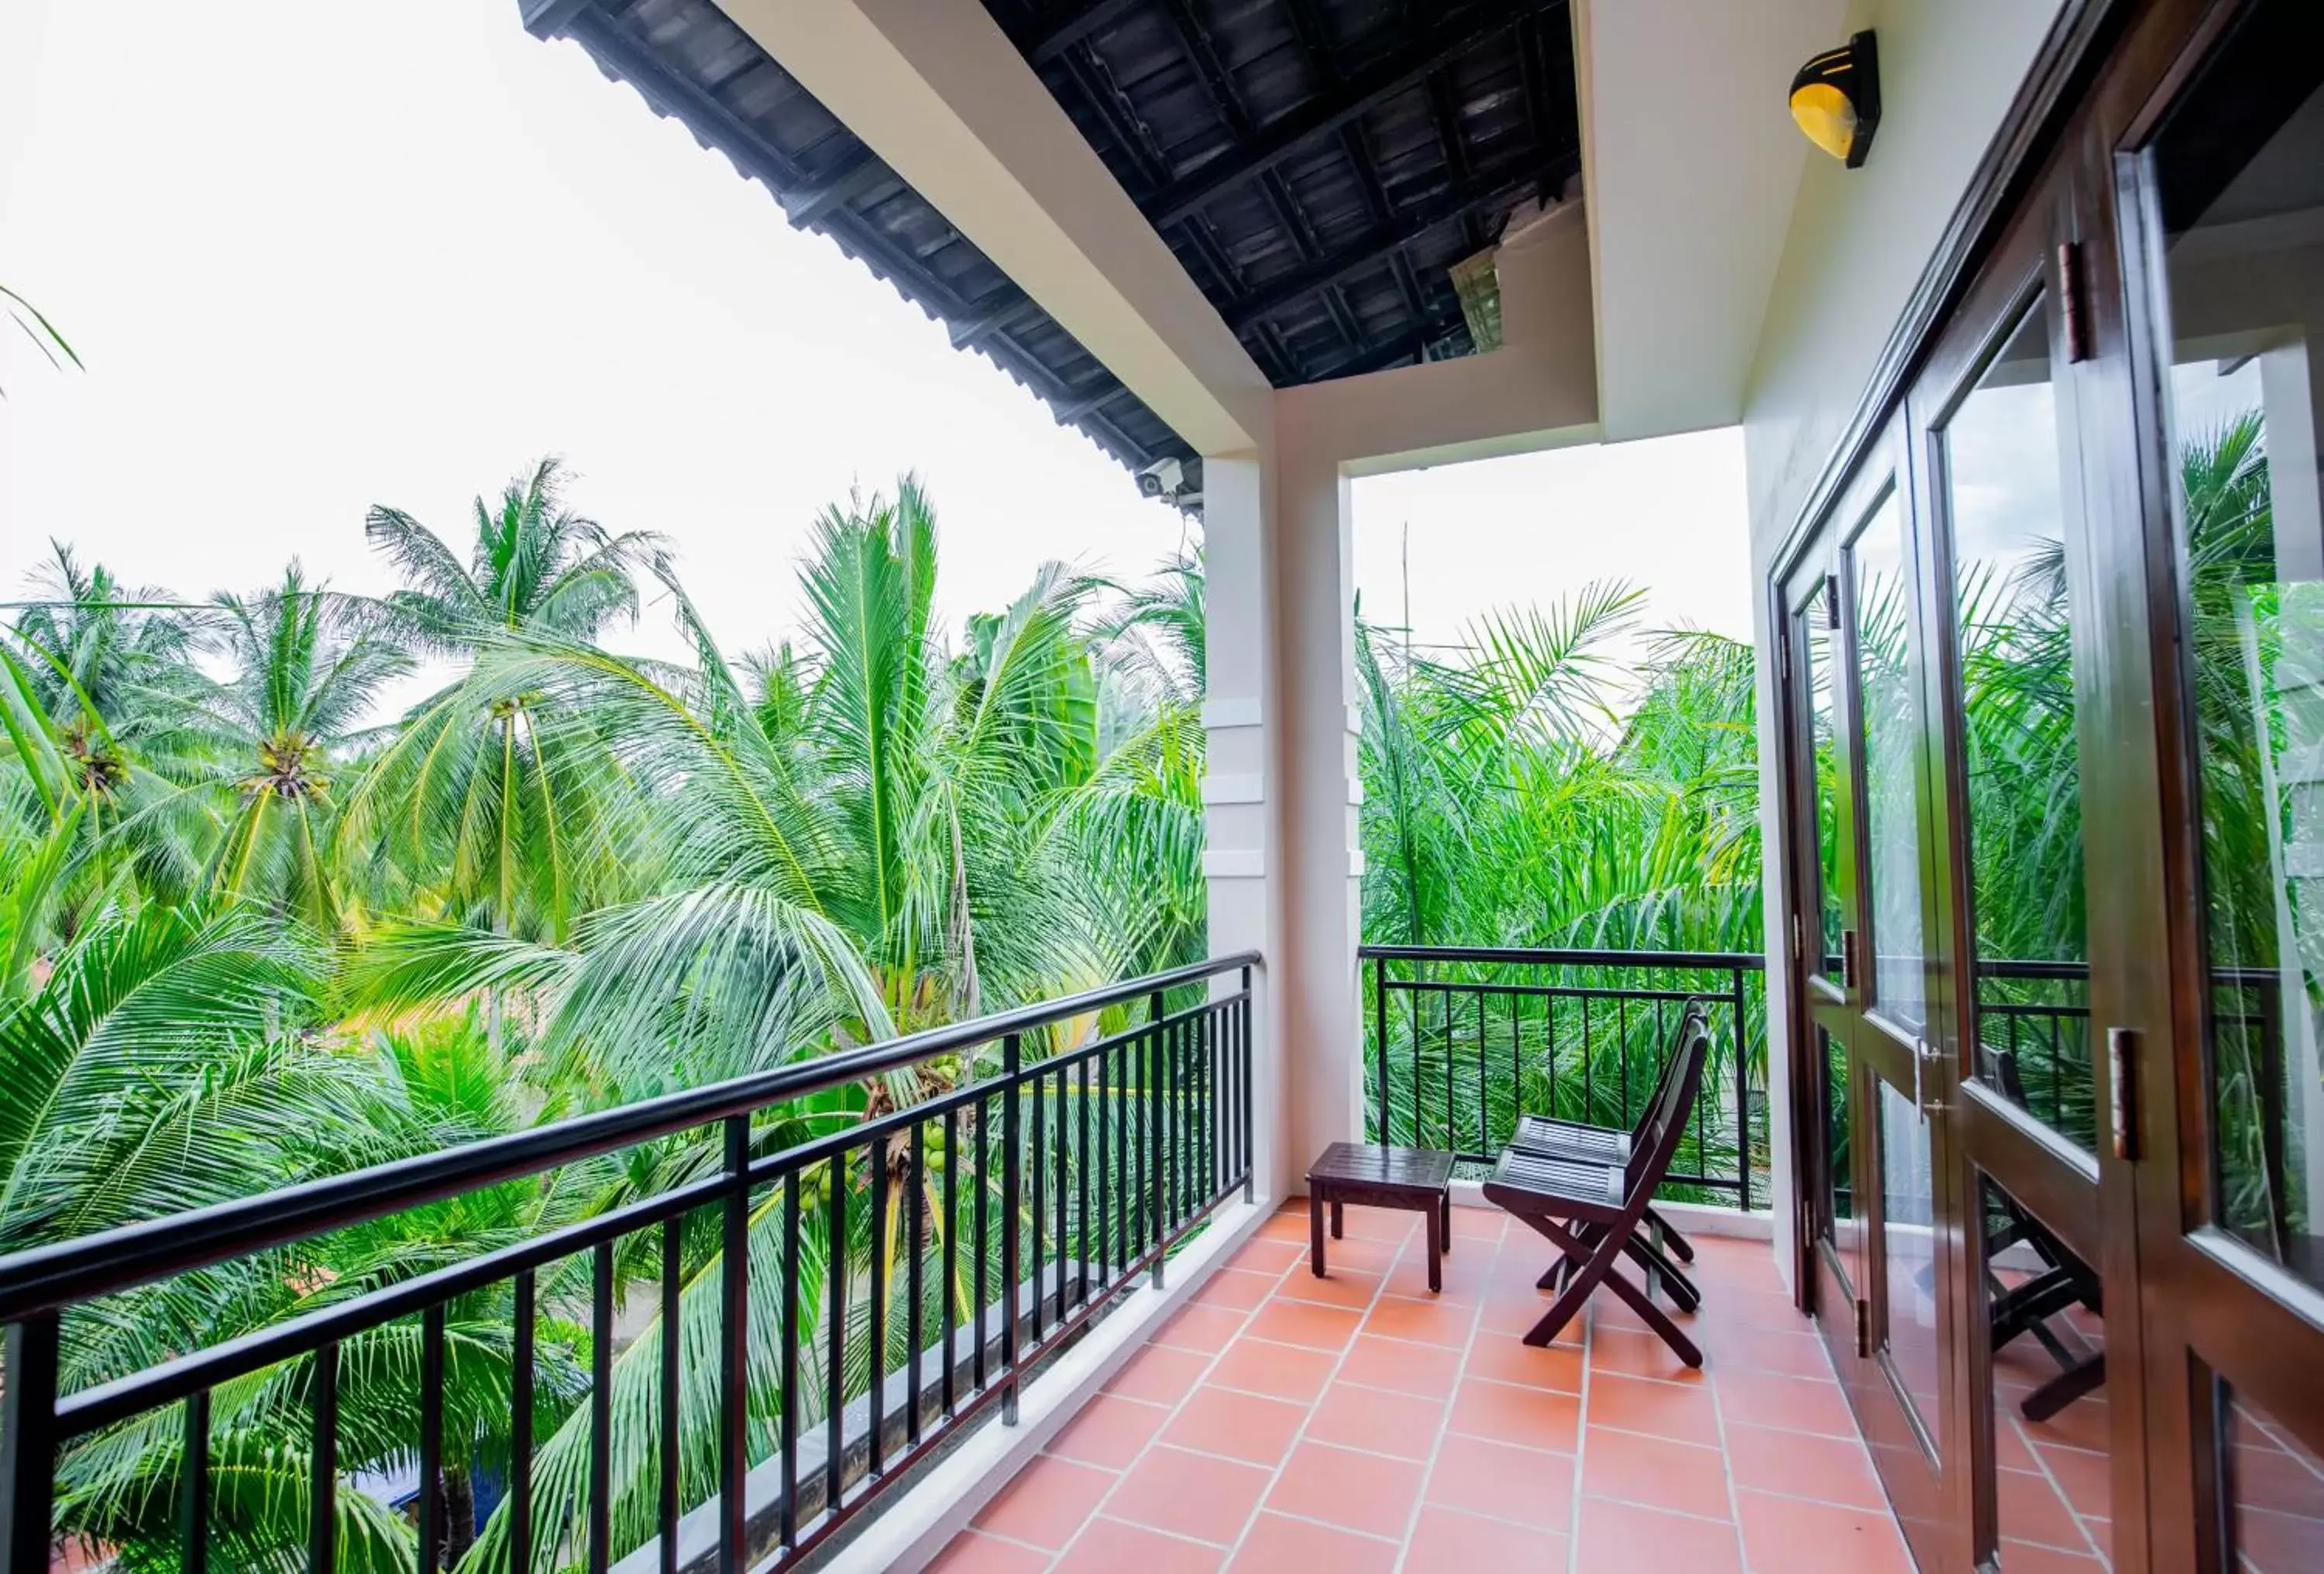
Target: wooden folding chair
{"type": "Point", "coordinates": [1579, 1142]}
{"type": "Point", "coordinates": [1592, 1214]}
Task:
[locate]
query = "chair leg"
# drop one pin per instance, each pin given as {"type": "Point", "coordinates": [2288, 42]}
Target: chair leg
{"type": "Point", "coordinates": [1593, 1266]}
{"type": "Point", "coordinates": [1681, 1247]}
{"type": "Point", "coordinates": [1587, 1269]}
{"type": "Point", "coordinates": [1655, 1318]}
{"type": "Point", "coordinates": [2064, 1388]}
{"type": "Point", "coordinates": [1683, 1292]}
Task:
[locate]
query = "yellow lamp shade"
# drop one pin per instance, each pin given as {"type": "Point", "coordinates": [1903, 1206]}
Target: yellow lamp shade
{"type": "Point", "coordinates": [1825, 114]}
{"type": "Point", "coordinates": [1836, 99]}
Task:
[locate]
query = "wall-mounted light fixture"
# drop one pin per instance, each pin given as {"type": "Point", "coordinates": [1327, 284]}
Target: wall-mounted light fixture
{"type": "Point", "coordinates": [1836, 99]}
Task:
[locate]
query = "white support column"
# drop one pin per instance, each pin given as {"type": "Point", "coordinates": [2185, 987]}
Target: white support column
{"type": "Point", "coordinates": [1243, 857]}
{"type": "Point", "coordinates": [1322, 865]}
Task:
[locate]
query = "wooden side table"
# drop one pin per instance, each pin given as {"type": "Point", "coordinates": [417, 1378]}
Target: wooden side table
{"type": "Point", "coordinates": [1417, 1178]}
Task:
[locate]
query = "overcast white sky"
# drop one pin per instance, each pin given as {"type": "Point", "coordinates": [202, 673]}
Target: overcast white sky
{"type": "Point", "coordinates": [318, 255]}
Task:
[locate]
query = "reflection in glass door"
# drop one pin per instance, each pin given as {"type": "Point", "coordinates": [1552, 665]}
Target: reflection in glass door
{"type": "Point", "coordinates": [2022, 775]}
{"type": "Point", "coordinates": [2228, 199]}
{"type": "Point", "coordinates": [1888, 743]}
{"type": "Point", "coordinates": [1814, 624]}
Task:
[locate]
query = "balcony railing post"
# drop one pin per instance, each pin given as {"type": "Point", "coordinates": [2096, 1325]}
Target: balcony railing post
{"type": "Point", "coordinates": [28, 1443]}
{"type": "Point", "coordinates": [1012, 1146]}
{"type": "Point", "coordinates": [1242, 1074]}
{"type": "Point", "coordinates": [734, 1344]}
{"type": "Point", "coordinates": [1380, 1040]}
{"type": "Point", "coordinates": [1158, 1185]}
{"type": "Point", "coordinates": [1742, 1098]}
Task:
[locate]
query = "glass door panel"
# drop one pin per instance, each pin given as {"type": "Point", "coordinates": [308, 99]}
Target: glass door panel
{"type": "Point", "coordinates": [2046, 1363]}
{"type": "Point", "coordinates": [2239, 182]}
{"type": "Point", "coordinates": [1840, 1225]}
{"type": "Point", "coordinates": [2272, 1492]}
{"type": "Point", "coordinates": [2225, 205]}
{"type": "Point", "coordinates": [1908, 1239]}
{"type": "Point", "coordinates": [1817, 623]}
{"type": "Point", "coordinates": [1900, 1156]}
{"type": "Point", "coordinates": [1888, 743]}
{"type": "Point", "coordinates": [2014, 658]}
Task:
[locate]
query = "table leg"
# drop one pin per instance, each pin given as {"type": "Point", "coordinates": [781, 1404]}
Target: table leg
{"type": "Point", "coordinates": [1435, 1252]}
{"type": "Point", "coordinates": [1315, 1232]}
{"type": "Point", "coordinates": [1339, 1219]}
{"type": "Point", "coordinates": [1445, 1235]}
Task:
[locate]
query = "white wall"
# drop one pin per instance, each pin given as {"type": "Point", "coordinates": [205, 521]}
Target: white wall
{"type": "Point", "coordinates": [1858, 244]}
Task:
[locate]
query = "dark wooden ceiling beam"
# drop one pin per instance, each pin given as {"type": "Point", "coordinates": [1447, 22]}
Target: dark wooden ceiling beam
{"type": "Point", "coordinates": [1041, 51]}
{"type": "Point", "coordinates": [1355, 146]}
{"type": "Point", "coordinates": [1005, 312]}
{"type": "Point", "coordinates": [1537, 98]}
{"type": "Point", "coordinates": [1410, 346]}
{"type": "Point", "coordinates": [1446, 115]}
{"type": "Point", "coordinates": [806, 206]}
{"type": "Point", "coordinates": [1286, 370]}
{"type": "Point", "coordinates": [1407, 283]}
{"type": "Point", "coordinates": [1194, 42]}
{"type": "Point", "coordinates": [1432, 45]}
{"type": "Point", "coordinates": [1480, 191]}
{"type": "Point", "coordinates": [1098, 88]}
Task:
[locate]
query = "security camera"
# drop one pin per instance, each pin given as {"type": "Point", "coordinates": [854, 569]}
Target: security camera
{"type": "Point", "coordinates": [1164, 478]}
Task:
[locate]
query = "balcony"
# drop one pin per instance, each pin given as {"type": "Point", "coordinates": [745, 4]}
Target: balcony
{"type": "Point", "coordinates": [1059, 1302]}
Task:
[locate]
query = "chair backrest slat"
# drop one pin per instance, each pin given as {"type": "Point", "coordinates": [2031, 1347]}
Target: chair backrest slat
{"type": "Point", "coordinates": [1657, 1144]}
{"type": "Point", "coordinates": [1692, 1012]}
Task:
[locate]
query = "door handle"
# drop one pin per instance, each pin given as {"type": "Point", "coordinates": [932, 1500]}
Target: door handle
{"type": "Point", "coordinates": [1847, 959]}
{"type": "Point", "coordinates": [2120, 1109]}
{"type": "Point", "coordinates": [1928, 1066]}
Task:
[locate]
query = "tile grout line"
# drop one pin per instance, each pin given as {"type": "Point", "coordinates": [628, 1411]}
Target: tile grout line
{"type": "Point", "coordinates": [1726, 1453]}
{"type": "Point", "coordinates": [1210, 1362]}
{"type": "Point", "coordinates": [1588, 1316]}
{"type": "Point", "coordinates": [1444, 1421]}
{"type": "Point", "coordinates": [1274, 1477]}
{"type": "Point", "coordinates": [2050, 1478]}
{"type": "Point", "coordinates": [1246, 1316]}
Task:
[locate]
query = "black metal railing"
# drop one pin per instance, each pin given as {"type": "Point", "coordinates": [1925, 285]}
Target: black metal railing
{"type": "Point", "coordinates": [1023, 1185]}
{"type": "Point", "coordinates": [1462, 1040]}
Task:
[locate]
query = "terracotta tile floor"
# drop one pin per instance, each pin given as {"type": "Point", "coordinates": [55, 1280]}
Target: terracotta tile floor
{"type": "Point", "coordinates": [1356, 1424]}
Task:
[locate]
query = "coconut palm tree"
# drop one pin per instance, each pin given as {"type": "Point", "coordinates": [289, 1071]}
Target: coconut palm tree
{"type": "Point", "coordinates": [92, 681]}
{"type": "Point", "coordinates": [474, 807]}
{"type": "Point", "coordinates": [264, 746]}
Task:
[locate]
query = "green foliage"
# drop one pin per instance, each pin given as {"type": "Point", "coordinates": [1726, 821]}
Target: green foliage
{"type": "Point", "coordinates": [249, 937]}
{"type": "Point", "coordinates": [1515, 794]}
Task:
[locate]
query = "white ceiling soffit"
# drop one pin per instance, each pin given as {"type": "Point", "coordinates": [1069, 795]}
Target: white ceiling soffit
{"type": "Point", "coordinates": [1691, 162]}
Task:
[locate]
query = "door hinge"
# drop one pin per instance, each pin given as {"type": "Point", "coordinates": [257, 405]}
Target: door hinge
{"type": "Point", "coordinates": [2074, 311]}
{"type": "Point", "coordinates": [1832, 602]}
{"type": "Point", "coordinates": [1847, 959]}
{"type": "Point", "coordinates": [1863, 1328]}
{"type": "Point", "coordinates": [2122, 1108]}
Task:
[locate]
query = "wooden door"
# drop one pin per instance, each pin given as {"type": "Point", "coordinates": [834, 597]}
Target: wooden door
{"type": "Point", "coordinates": [2063, 1131]}
{"type": "Point", "coordinates": [1883, 1214]}
{"type": "Point", "coordinates": [2217, 176]}
{"type": "Point", "coordinates": [2030, 951]}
